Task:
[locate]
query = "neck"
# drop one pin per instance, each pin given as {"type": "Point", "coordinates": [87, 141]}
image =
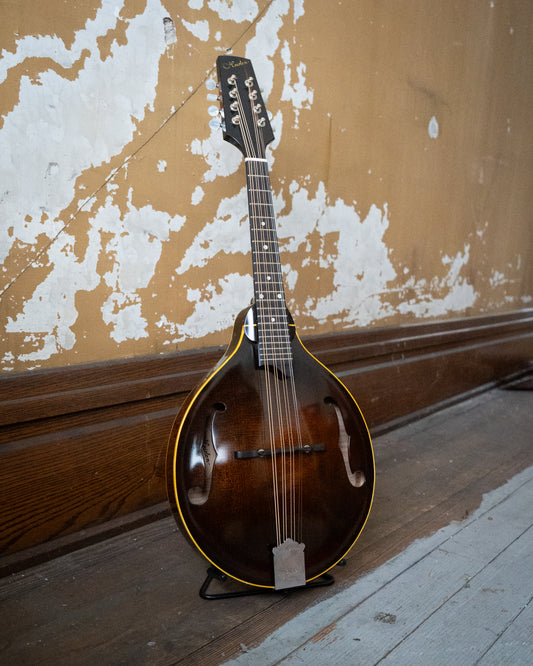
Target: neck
{"type": "Point", "coordinates": [271, 314]}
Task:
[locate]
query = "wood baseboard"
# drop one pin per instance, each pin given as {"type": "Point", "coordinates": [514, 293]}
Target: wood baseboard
{"type": "Point", "coordinates": [82, 448]}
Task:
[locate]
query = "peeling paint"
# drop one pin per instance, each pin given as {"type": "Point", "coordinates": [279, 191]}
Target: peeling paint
{"type": "Point", "coordinates": [433, 128]}
{"type": "Point", "coordinates": [200, 29]}
{"type": "Point", "coordinates": [197, 195]}
{"type": "Point", "coordinates": [361, 264]}
{"type": "Point", "coordinates": [244, 10]}
{"type": "Point", "coordinates": [221, 158]}
{"type": "Point", "coordinates": [298, 94]}
{"type": "Point", "coordinates": [63, 118]}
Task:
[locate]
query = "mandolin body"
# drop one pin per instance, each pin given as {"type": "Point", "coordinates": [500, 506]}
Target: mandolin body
{"type": "Point", "coordinates": [230, 484]}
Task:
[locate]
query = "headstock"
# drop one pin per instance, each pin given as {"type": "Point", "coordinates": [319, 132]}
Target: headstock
{"type": "Point", "coordinates": [246, 121]}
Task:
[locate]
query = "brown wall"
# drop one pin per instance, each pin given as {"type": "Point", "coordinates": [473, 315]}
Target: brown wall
{"type": "Point", "coordinates": [402, 169]}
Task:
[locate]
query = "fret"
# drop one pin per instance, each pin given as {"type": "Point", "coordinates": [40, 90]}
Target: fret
{"type": "Point", "coordinates": [276, 337]}
{"type": "Point", "coordinates": [266, 264]}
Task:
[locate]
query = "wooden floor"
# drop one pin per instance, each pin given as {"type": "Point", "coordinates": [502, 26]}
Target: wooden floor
{"type": "Point", "coordinates": [441, 573]}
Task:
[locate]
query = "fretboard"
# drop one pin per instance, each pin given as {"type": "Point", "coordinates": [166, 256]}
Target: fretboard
{"type": "Point", "coordinates": [271, 315]}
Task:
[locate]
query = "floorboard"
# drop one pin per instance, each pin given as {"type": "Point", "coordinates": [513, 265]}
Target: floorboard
{"type": "Point", "coordinates": [134, 597]}
{"type": "Point", "coordinates": [443, 600]}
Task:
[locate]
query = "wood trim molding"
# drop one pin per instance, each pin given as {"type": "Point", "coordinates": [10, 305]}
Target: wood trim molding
{"type": "Point", "coordinates": [82, 448]}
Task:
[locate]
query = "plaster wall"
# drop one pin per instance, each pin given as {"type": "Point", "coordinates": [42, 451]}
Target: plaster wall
{"type": "Point", "coordinates": [401, 168]}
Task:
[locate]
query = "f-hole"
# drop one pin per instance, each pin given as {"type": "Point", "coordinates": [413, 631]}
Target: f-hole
{"type": "Point", "coordinates": [355, 477]}
{"type": "Point", "coordinates": [199, 495]}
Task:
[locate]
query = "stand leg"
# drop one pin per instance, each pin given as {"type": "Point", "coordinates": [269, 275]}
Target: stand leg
{"type": "Point", "coordinates": [214, 574]}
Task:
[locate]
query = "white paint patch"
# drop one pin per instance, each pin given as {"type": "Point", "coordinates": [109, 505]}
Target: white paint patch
{"type": "Point", "coordinates": [196, 4]}
{"type": "Point", "coordinates": [56, 132]}
{"type": "Point", "coordinates": [162, 166]}
{"type": "Point", "coordinates": [215, 308]}
{"type": "Point", "coordinates": [243, 10]}
{"type": "Point", "coordinates": [228, 233]}
{"type": "Point", "coordinates": [51, 46]}
{"type": "Point", "coordinates": [262, 47]}
{"type": "Point", "coordinates": [136, 247]}
{"type": "Point", "coordinates": [299, 10]}
{"type": "Point", "coordinates": [433, 128]}
{"type": "Point", "coordinates": [361, 265]}
{"type": "Point", "coordinates": [496, 279]}
{"type": "Point", "coordinates": [200, 29]}
{"type": "Point", "coordinates": [459, 293]}
{"type": "Point", "coordinates": [222, 159]}
{"type": "Point", "coordinates": [298, 94]}
{"type": "Point", "coordinates": [48, 316]}
{"type": "Point", "coordinates": [197, 195]}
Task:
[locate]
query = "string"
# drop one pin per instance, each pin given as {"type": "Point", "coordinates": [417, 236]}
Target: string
{"type": "Point", "coordinates": [274, 343]}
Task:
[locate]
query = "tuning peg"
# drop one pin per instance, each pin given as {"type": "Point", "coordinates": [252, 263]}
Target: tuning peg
{"type": "Point", "coordinates": [216, 123]}
{"type": "Point", "coordinates": [210, 84]}
{"type": "Point", "coordinates": [213, 110]}
{"type": "Point", "coordinates": [212, 97]}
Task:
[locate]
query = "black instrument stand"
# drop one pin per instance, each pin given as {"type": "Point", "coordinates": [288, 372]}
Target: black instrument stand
{"type": "Point", "coordinates": [215, 574]}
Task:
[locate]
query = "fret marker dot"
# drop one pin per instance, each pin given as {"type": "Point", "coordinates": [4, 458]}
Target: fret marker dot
{"type": "Point", "coordinates": [273, 319]}
{"type": "Point", "coordinates": [268, 277]}
{"type": "Point", "coordinates": [279, 295]}
{"type": "Point", "coordinates": [265, 247]}
{"type": "Point", "coordinates": [261, 296]}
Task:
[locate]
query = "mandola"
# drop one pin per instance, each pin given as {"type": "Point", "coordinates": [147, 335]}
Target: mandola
{"type": "Point", "coordinates": [270, 468]}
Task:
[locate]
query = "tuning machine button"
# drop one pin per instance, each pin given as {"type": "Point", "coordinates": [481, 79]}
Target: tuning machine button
{"type": "Point", "coordinates": [217, 123]}
{"type": "Point", "coordinates": [211, 84]}
{"type": "Point", "coordinates": [213, 110]}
